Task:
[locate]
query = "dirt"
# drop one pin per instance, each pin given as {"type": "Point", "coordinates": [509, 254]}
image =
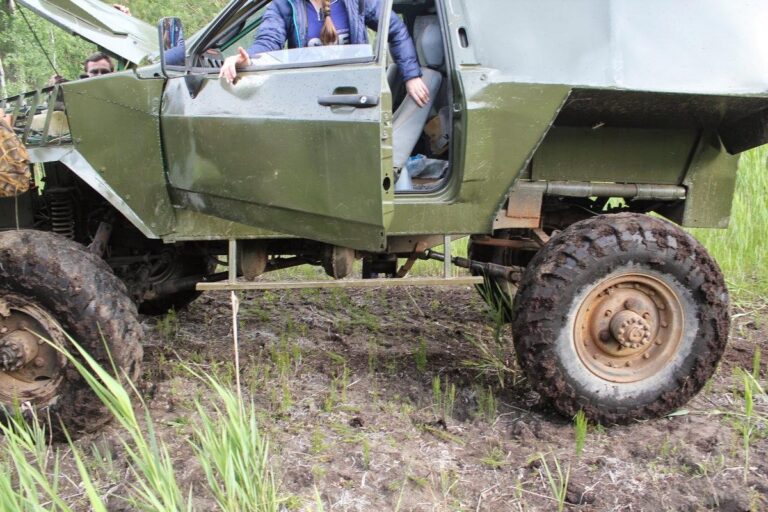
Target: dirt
{"type": "Point", "coordinates": [345, 380]}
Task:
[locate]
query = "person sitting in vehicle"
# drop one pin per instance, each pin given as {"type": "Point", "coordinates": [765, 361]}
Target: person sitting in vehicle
{"type": "Point", "coordinates": [305, 23]}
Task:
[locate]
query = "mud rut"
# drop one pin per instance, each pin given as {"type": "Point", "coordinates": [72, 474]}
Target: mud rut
{"type": "Point", "coordinates": [345, 380]}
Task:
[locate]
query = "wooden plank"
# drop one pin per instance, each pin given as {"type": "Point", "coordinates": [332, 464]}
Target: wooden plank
{"type": "Point", "coordinates": [344, 283]}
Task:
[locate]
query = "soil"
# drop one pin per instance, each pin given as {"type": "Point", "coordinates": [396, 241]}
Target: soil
{"type": "Point", "coordinates": [345, 381]}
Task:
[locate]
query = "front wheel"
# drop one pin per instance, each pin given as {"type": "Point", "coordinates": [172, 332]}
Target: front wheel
{"type": "Point", "coordinates": [622, 316]}
{"type": "Point", "coordinates": [50, 289]}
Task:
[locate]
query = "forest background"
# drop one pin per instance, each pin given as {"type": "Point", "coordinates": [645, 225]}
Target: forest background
{"type": "Point", "coordinates": [23, 62]}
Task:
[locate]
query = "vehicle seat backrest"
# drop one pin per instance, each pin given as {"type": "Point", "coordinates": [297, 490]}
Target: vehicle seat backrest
{"type": "Point", "coordinates": [409, 119]}
{"type": "Point", "coordinates": [429, 41]}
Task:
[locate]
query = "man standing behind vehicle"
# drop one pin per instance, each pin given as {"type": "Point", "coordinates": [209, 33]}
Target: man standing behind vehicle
{"type": "Point", "coordinates": [303, 23]}
{"type": "Point", "coordinates": [98, 64]}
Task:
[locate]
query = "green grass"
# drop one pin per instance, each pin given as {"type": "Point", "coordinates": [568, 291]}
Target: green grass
{"type": "Point", "coordinates": [742, 249]}
{"type": "Point", "coordinates": [226, 441]}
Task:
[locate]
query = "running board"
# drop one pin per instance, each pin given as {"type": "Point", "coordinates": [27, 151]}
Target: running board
{"type": "Point", "coordinates": [342, 283]}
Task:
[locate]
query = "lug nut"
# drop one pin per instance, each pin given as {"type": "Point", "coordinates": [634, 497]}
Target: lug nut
{"type": "Point", "coordinates": [646, 315]}
{"type": "Point", "coordinates": [646, 356]}
{"type": "Point", "coordinates": [608, 312]}
{"type": "Point", "coordinates": [605, 335]}
{"type": "Point", "coordinates": [628, 364]}
{"type": "Point", "coordinates": [39, 362]}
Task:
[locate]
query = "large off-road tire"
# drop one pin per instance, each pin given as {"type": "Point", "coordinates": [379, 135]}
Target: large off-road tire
{"type": "Point", "coordinates": [14, 163]}
{"type": "Point", "coordinates": [50, 286]}
{"type": "Point", "coordinates": [622, 316]}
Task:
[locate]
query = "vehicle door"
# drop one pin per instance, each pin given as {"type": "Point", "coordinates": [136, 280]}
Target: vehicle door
{"type": "Point", "coordinates": [300, 144]}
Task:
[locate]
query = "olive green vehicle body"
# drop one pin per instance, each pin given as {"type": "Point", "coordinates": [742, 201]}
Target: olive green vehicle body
{"type": "Point", "coordinates": [263, 160]}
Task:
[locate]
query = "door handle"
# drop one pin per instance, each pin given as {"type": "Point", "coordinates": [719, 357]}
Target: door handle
{"type": "Point", "coordinates": [349, 100]}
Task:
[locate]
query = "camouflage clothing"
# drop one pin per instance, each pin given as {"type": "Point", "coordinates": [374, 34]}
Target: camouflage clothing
{"type": "Point", "coordinates": [14, 163]}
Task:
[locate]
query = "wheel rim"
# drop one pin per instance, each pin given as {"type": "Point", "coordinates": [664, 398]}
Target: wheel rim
{"type": "Point", "coordinates": [628, 327]}
{"type": "Point", "coordinates": [30, 368]}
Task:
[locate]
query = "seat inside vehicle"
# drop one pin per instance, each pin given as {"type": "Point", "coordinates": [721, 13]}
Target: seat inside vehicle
{"type": "Point", "coordinates": [410, 120]}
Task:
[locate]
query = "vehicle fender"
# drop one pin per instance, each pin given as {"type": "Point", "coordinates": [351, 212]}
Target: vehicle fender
{"type": "Point", "coordinates": [75, 162]}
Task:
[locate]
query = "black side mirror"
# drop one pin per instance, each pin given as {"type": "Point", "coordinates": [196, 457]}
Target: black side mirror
{"type": "Point", "coordinates": [173, 52]}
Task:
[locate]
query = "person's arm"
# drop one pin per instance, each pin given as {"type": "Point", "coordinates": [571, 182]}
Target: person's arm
{"type": "Point", "coordinates": [403, 51]}
{"type": "Point", "coordinates": [270, 36]}
{"type": "Point", "coordinates": [175, 56]}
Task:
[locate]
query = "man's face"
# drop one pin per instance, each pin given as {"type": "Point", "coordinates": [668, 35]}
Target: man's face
{"type": "Point", "coordinates": [99, 67]}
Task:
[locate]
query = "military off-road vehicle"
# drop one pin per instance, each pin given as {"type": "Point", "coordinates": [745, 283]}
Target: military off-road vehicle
{"type": "Point", "coordinates": [555, 128]}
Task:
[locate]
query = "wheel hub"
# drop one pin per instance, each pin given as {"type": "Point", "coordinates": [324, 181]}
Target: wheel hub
{"type": "Point", "coordinates": [30, 368]}
{"type": "Point", "coordinates": [16, 350]}
{"type": "Point", "coordinates": [628, 327]}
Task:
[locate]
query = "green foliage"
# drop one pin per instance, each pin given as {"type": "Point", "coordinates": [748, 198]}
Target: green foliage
{"type": "Point", "coordinates": [420, 356]}
{"type": "Point", "coordinates": [741, 249]}
{"type": "Point", "coordinates": [226, 438]}
{"type": "Point", "coordinates": [26, 66]}
{"type": "Point", "coordinates": [233, 453]}
{"type": "Point", "coordinates": [580, 431]}
{"type": "Point", "coordinates": [487, 404]}
{"type": "Point", "coordinates": [443, 397]}
{"type": "Point", "coordinates": [24, 62]}
{"type": "Point", "coordinates": [557, 480]}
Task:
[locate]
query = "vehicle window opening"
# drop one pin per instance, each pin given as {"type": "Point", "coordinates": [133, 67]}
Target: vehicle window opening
{"type": "Point", "coordinates": [242, 29]}
{"type": "Point", "coordinates": [422, 137]}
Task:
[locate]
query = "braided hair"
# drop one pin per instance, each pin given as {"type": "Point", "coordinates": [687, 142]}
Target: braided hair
{"type": "Point", "coordinates": [328, 34]}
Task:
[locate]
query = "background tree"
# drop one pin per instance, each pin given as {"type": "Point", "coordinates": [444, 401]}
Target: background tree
{"type": "Point", "coordinates": [24, 64]}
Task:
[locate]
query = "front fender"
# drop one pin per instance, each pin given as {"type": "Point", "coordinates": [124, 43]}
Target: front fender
{"type": "Point", "coordinates": [73, 160]}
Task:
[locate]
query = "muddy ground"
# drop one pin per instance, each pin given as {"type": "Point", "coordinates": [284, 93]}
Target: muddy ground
{"type": "Point", "coordinates": [346, 383]}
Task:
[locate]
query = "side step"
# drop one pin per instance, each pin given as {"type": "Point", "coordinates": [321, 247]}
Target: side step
{"type": "Point", "coordinates": [342, 283]}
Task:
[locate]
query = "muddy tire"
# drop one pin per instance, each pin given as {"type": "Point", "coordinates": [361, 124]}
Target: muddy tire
{"type": "Point", "coordinates": [51, 286]}
{"type": "Point", "coordinates": [622, 316]}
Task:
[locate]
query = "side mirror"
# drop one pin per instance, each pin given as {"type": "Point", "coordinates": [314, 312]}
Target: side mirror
{"type": "Point", "coordinates": [173, 52]}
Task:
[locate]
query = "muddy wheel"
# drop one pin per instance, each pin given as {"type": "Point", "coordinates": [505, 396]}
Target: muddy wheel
{"type": "Point", "coordinates": [622, 316]}
{"type": "Point", "coordinates": [51, 286]}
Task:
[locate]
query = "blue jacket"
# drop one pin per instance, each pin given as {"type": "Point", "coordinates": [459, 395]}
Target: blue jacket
{"type": "Point", "coordinates": [286, 20]}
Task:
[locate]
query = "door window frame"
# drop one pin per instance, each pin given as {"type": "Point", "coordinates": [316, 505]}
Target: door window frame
{"type": "Point", "coordinates": [226, 17]}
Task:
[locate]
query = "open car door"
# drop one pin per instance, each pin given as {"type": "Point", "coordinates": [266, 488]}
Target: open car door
{"type": "Point", "coordinates": [98, 22]}
{"type": "Point", "coordinates": [300, 145]}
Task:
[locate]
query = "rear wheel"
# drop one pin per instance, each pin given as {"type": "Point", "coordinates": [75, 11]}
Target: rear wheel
{"type": "Point", "coordinates": [622, 316]}
{"type": "Point", "coordinates": [50, 287]}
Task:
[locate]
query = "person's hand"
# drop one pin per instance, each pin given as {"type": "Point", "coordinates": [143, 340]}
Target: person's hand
{"type": "Point", "coordinates": [123, 9]}
{"type": "Point", "coordinates": [232, 63]}
{"type": "Point", "coordinates": [418, 90]}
